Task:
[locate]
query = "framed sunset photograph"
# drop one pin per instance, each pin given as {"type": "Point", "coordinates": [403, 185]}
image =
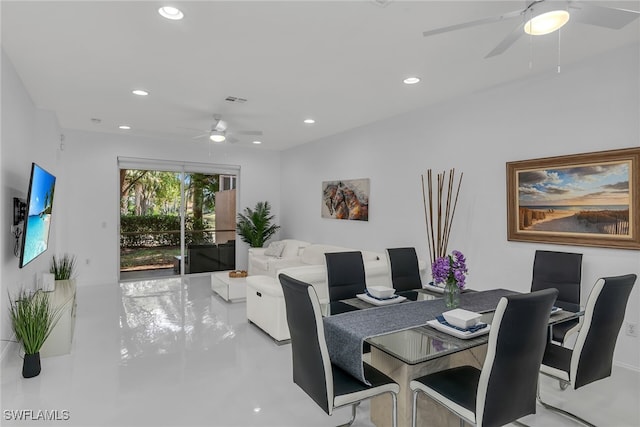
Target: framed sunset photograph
{"type": "Point", "coordinates": [583, 199]}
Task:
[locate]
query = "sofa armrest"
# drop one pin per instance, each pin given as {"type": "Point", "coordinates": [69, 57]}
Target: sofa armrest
{"type": "Point", "coordinates": [315, 275]}
{"type": "Point", "coordinates": [264, 284]}
{"type": "Point", "coordinates": [377, 273]}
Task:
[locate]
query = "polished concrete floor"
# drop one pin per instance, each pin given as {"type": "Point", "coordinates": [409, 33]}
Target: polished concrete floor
{"type": "Point", "coordinates": [169, 353]}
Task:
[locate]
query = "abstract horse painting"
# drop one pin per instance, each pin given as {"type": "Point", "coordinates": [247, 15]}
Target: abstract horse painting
{"type": "Point", "coordinates": [346, 199]}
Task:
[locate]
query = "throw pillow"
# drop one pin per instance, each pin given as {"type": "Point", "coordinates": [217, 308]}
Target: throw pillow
{"type": "Point", "coordinates": [275, 249]}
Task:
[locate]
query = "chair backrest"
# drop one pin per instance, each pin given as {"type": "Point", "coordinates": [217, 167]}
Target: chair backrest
{"type": "Point", "coordinates": [560, 270]}
{"type": "Point", "coordinates": [311, 364]}
{"type": "Point", "coordinates": [404, 270]}
{"type": "Point", "coordinates": [593, 352]}
{"type": "Point", "coordinates": [517, 339]}
{"type": "Point", "coordinates": [345, 274]}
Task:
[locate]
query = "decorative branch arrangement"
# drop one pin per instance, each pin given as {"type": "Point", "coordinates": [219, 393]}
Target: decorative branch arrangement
{"type": "Point", "coordinates": [441, 218]}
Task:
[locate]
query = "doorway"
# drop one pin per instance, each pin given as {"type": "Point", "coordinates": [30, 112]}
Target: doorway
{"type": "Point", "coordinates": [175, 219]}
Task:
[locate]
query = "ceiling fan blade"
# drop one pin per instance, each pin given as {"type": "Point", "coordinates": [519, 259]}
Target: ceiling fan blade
{"type": "Point", "coordinates": [507, 41]}
{"type": "Point", "coordinates": [248, 132]}
{"type": "Point", "coordinates": [483, 21]}
{"type": "Point", "coordinates": [201, 136]}
{"type": "Point", "coordinates": [187, 128]}
{"type": "Point", "coordinates": [231, 140]}
{"type": "Point", "coordinates": [601, 16]}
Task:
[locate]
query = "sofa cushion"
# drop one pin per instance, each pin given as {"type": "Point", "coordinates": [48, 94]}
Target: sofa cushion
{"type": "Point", "coordinates": [314, 254]}
{"type": "Point", "coordinates": [275, 249]}
{"type": "Point", "coordinates": [370, 256]}
{"type": "Point", "coordinates": [293, 248]}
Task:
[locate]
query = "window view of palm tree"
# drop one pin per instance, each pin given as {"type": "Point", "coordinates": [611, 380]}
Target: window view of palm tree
{"type": "Point", "coordinates": [150, 222]}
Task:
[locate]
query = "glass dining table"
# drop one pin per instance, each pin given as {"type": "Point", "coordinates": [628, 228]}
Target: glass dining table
{"type": "Point", "coordinates": [412, 352]}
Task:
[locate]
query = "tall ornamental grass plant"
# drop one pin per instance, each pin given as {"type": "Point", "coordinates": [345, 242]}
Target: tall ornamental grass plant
{"type": "Point", "coordinates": [63, 267]}
{"type": "Point", "coordinates": [33, 318]}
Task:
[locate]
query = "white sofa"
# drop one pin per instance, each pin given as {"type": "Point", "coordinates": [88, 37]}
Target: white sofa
{"type": "Point", "coordinates": [289, 253]}
{"type": "Point", "coordinates": [265, 301]}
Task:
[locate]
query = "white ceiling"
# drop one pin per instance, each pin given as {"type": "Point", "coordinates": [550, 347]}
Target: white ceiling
{"type": "Point", "coordinates": [340, 62]}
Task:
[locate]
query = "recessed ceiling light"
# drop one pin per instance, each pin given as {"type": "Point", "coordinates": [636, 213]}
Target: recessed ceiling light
{"type": "Point", "coordinates": [411, 80]}
{"type": "Point", "coordinates": [309, 121]}
{"type": "Point", "coordinates": [140, 92]}
{"type": "Point", "coordinates": [257, 142]}
{"type": "Point", "coordinates": [170, 12]}
{"type": "Point", "coordinates": [124, 127]}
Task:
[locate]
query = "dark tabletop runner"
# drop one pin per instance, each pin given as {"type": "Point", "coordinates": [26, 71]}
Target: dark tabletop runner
{"type": "Point", "coordinates": [345, 333]}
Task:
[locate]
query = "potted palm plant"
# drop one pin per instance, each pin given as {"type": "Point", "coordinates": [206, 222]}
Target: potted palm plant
{"type": "Point", "coordinates": [33, 317]}
{"type": "Point", "coordinates": [254, 225]}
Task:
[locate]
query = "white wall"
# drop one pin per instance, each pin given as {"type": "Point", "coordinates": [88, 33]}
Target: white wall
{"type": "Point", "coordinates": [28, 135]}
{"type": "Point", "coordinates": [87, 186]}
{"type": "Point", "coordinates": [591, 106]}
{"type": "Point", "coordinates": [588, 107]}
{"type": "Point", "coordinates": [90, 194]}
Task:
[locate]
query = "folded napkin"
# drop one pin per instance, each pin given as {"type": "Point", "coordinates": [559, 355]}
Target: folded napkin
{"type": "Point", "coordinates": [473, 328]}
{"type": "Point", "coordinates": [381, 299]}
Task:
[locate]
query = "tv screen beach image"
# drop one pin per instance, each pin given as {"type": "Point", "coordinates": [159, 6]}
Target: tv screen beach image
{"type": "Point", "coordinates": [38, 220]}
{"type": "Point", "coordinates": [587, 199]}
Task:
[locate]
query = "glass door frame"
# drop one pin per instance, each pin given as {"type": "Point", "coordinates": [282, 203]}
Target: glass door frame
{"type": "Point", "coordinates": [183, 168]}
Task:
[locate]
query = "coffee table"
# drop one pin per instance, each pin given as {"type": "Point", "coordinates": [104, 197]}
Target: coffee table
{"type": "Point", "coordinates": [231, 289]}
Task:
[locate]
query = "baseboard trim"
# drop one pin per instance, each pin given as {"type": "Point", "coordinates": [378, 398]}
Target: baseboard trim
{"type": "Point", "coordinates": [10, 348]}
{"type": "Point", "coordinates": [626, 366]}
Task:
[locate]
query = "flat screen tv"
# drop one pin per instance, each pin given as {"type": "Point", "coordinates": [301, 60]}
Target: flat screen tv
{"type": "Point", "coordinates": [35, 233]}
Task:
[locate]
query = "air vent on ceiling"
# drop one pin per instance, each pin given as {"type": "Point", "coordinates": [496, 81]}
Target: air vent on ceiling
{"type": "Point", "coordinates": [381, 3]}
{"type": "Point", "coordinates": [235, 99]}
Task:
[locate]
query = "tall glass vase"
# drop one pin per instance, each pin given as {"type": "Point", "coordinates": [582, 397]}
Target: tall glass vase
{"type": "Point", "coordinates": [451, 295]}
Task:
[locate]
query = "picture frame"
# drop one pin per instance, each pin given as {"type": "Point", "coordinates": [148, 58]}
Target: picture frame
{"type": "Point", "coordinates": [346, 199]}
{"type": "Point", "coordinates": [589, 199]}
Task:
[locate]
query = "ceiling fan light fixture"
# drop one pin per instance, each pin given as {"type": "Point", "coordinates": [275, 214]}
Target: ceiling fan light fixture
{"type": "Point", "coordinates": [546, 23]}
{"type": "Point", "coordinates": [217, 136]}
{"type": "Point", "coordinates": [220, 125]}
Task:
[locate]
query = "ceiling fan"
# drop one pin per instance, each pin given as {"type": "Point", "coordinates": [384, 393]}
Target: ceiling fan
{"type": "Point", "coordinates": [219, 132]}
{"type": "Point", "coordinates": [546, 16]}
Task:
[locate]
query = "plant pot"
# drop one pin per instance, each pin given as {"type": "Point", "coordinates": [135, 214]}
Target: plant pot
{"type": "Point", "coordinates": [31, 365]}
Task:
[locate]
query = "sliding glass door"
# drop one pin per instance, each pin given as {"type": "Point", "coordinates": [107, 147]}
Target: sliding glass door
{"type": "Point", "coordinates": [174, 220]}
{"type": "Point", "coordinates": [210, 211]}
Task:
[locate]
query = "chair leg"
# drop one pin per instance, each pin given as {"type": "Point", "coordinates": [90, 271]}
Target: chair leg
{"type": "Point", "coordinates": [414, 412]}
{"type": "Point", "coordinates": [562, 411]}
{"type": "Point", "coordinates": [353, 415]}
{"type": "Point", "coordinates": [394, 421]}
{"type": "Point", "coordinates": [394, 413]}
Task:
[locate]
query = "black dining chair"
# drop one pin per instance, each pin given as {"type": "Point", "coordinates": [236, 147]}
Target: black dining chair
{"type": "Point", "coordinates": [328, 385]}
{"type": "Point", "coordinates": [345, 279]}
{"type": "Point", "coordinates": [592, 356]}
{"type": "Point", "coordinates": [505, 389]}
{"type": "Point", "coordinates": [562, 271]}
{"type": "Point", "coordinates": [404, 271]}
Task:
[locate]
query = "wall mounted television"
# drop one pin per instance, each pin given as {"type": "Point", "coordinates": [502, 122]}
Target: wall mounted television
{"type": "Point", "coordinates": [37, 224]}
